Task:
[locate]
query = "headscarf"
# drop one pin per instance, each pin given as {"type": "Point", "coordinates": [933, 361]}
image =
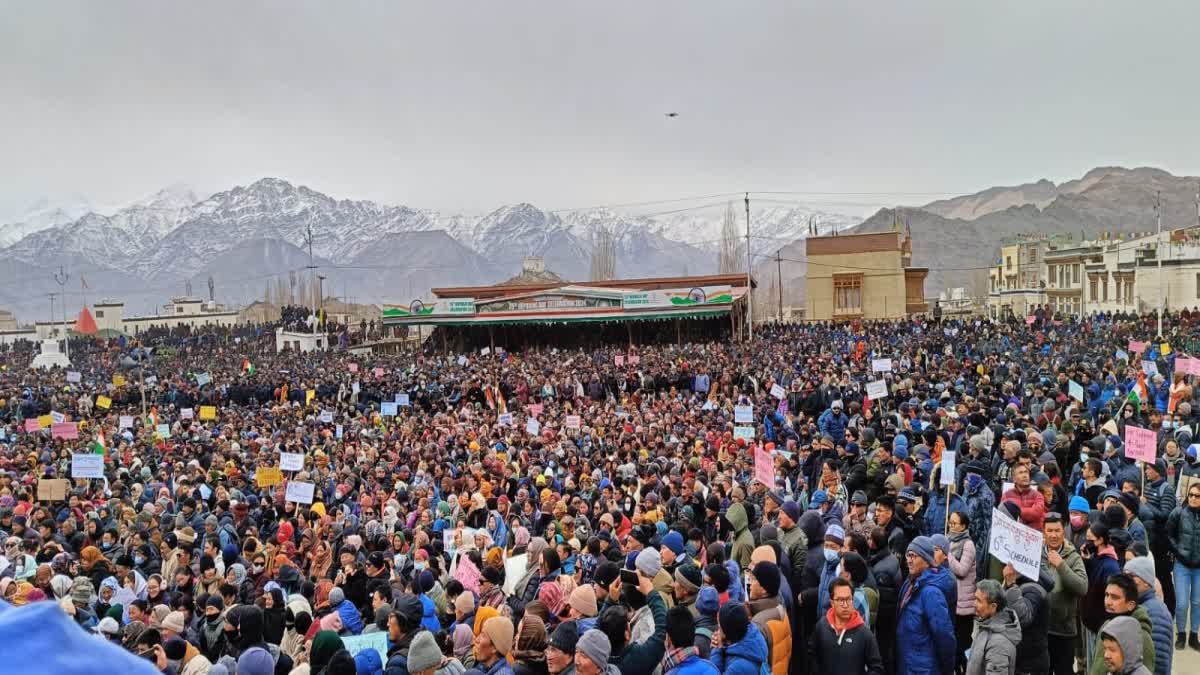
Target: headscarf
{"type": "Point", "coordinates": [89, 556]}
{"type": "Point", "coordinates": [21, 597]}
{"type": "Point", "coordinates": [239, 573]}
{"type": "Point", "coordinates": [325, 644]}
{"type": "Point", "coordinates": [483, 614]}
{"type": "Point", "coordinates": [60, 585]}
{"type": "Point", "coordinates": [531, 641]}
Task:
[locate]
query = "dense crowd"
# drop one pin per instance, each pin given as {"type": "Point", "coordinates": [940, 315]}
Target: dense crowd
{"type": "Point", "coordinates": [727, 507]}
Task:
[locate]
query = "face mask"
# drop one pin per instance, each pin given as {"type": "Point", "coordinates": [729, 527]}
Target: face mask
{"type": "Point", "coordinates": [1078, 521]}
{"type": "Point", "coordinates": [419, 566]}
{"type": "Point", "coordinates": [830, 554]}
{"type": "Point", "coordinates": [106, 544]}
{"type": "Point", "coordinates": [139, 560]}
{"type": "Point", "coordinates": [973, 480]}
{"type": "Point", "coordinates": [259, 568]}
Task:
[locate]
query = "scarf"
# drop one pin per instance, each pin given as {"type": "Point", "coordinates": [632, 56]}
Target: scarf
{"type": "Point", "coordinates": [677, 656]}
{"type": "Point", "coordinates": [957, 541]}
{"type": "Point", "coordinates": [531, 642]}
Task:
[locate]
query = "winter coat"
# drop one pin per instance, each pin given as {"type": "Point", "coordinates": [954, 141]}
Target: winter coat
{"type": "Point", "coordinates": [944, 579]}
{"type": "Point", "coordinates": [852, 651]}
{"type": "Point", "coordinates": [1032, 503]}
{"type": "Point", "coordinates": [833, 424]}
{"type": "Point", "coordinates": [795, 546]}
{"type": "Point", "coordinates": [743, 541]}
{"type": "Point", "coordinates": [764, 613]}
{"type": "Point", "coordinates": [1162, 631]}
{"type": "Point", "coordinates": [1070, 585]}
{"type": "Point", "coordinates": [963, 569]}
{"type": "Point", "coordinates": [994, 649]}
{"type": "Point", "coordinates": [1091, 610]}
{"type": "Point", "coordinates": [1132, 648]}
{"type": "Point", "coordinates": [747, 656]}
{"type": "Point", "coordinates": [1183, 535]}
{"type": "Point", "coordinates": [351, 619]}
{"type": "Point", "coordinates": [643, 657]}
{"type": "Point", "coordinates": [928, 647]}
{"type": "Point", "coordinates": [980, 502]}
{"type": "Point", "coordinates": [1028, 601]}
{"type": "Point", "coordinates": [1147, 655]}
{"type": "Point", "coordinates": [886, 568]}
{"type": "Point", "coordinates": [693, 665]}
{"type": "Point", "coordinates": [1160, 502]}
{"type": "Point", "coordinates": [935, 512]}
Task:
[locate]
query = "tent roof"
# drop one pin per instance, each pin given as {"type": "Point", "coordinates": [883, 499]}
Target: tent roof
{"type": "Point", "coordinates": [85, 323]}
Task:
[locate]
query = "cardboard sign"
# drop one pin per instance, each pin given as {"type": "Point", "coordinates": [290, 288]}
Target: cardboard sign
{"type": "Point", "coordinates": [118, 380]}
{"type": "Point", "coordinates": [268, 476]}
{"type": "Point", "coordinates": [353, 367]}
{"type": "Point", "coordinates": [1075, 390]}
{"type": "Point", "coordinates": [103, 402]}
{"type": "Point", "coordinates": [388, 408]}
{"type": "Point", "coordinates": [485, 351]}
{"type": "Point", "coordinates": [743, 432]}
{"type": "Point", "coordinates": [32, 424]}
{"type": "Point", "coordinates": [301, 493]}
{"type": "Point", "coordinates": [203, 379]}
{"type": "Point", "coordinates": [532, 427]}
{"type": "Point", "coordinates": [505, 419]}
{"type": "Point", "coordinates": [367, 641]}
{"type": "Point", "coordinates": [52, 489]}
{"type": "Point", "coordinates": [877, 390]}
{"type": "Point", "coordinates": [1140, 443]}
{"type": "Point", "coordinates": [574, 422]}
{"type": "Point", "coordinates": [379, 372]}
{"type": "Point", "coordinates": [778, 391]}
{"type": "Point", "coordinates": [881, 365]}
{"type": "Point", "coordinates": [764, 468]}
{"type": "Point", "coordinates": [291, 461]}
{"type": "Point", "coordinates": [73, 376]}
{"type": "Point", "coordinates": [1017, 544]}
{"type": "Point", "coordinates": [402, 400]}
{"type": "Point", "coordinates": [45, 421]}
{"type": "Point", "coordinates": [948, 467]}
{"type": "Point", "coordinates": [186, 413]}
{"type": "Point", "coordinates": [208, 412]}
{"type": "Point", "coordinates": [87, 466]}
{"type": "Point", "coordinates": [326, 417]}
{"type": "Point", "coordinates": [743, 414]}
{"type": "Point", "coordinates": [462, 360]}
{"type": "Point", "coordinates": [65, 430]}
{"type": "Point", "coordinates": [1150, 368]}
{"type": "Point", "coordinates": [1164, 349]}
{"type": "Point", "coordinates": [125, 422]}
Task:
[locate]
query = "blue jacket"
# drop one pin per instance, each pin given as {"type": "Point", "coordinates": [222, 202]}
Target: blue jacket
{"type": "Point", "coordinates": [834, 425]}
{"type": "Point", "coordinates": [945, 581]}
{"type": "Point", "coordinates": [748, 656]}
{"type": "Point", "coordinates": [429, 620]}
{"type": "Point", "coordinates": [693, 665]}
{"type": "Point", "coordinates": [351, 619]}
{"type": "Point", "coordinates": [43, 638]}
{"type": "Point", "coordinates": [935, 513]}
{"type": "Point", "coordinates": [1162, 630]}
{"type": "Point", "coordinates": [928, 646]}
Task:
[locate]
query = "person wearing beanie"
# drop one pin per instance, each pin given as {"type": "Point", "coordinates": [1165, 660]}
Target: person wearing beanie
{"type": "Point", "coordinates": [942, 577]}
{"type": "Point", "coordinates": [424, 657]}
{"type": "Point", "coordinates": [581, 604]}
{"type": "Point", "coordinates": [1162, 624]}
{"type": "Point", "coordinates": [649, 564]}
{"type": "Point", "coordinates": [592, 652]}
{"type": "Point", "coordinates": [924, 628]}
{"type": "Point", "coordinates": [429, 618]}
{"type": "Point", "coordinates": [560, 649]}
{"type": "Point", "coordinates": [493, 644]}
{"type": "Point", "coordinates": [744, 650]}
{"type": "Point", "coordinates": [842, 642]}
{"type": "Point", "coordinates": [792, 540]}
{"type": "Point", "coordinates": [707, 606]}
{"type": "Point", "coordinates": [687, 581]}
{"type": "Point", "coordinates": [346, 611]}
{"type": "Point", "coordinates": [769, 614]}
{"type": "Point", "coordinates": [529, 647]}
{"type": "Point", "coordinates": [672, 551]}
{"type": "Point", "coordinates": [835, 538]}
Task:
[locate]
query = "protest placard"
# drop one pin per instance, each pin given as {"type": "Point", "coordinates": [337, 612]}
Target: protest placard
{"type": "Point", "coordinates": [402, 400]}
{"type": "Point", "coordinates": [514, 569]}
{"type": "Point", "coordinates": [299, 492]}
{"type": "Point", "coordinates": [948, 467]}
{"type": "Point", "coordinates": [1136, 347]}
{"type": "Point", "coordinates": [743, 432]}
{"type": "Point", "coordinates": [881, 365]}
{"type": "Point", "coordinates": [619, 359]}
{"type": "Point", "coordinates": [1150, 368]}
{"type": "Point", "coordinates": [118, 380]}
{"type": "Point", "coordinates": [377, 641]}
{"type": "Point", "coordinates": [778, 391]}
{"type": "Point", "coordinates": [32, 424]}
{"type": "Point", "coordinates": [338, 431]}
{"type": "Point", "coordinates": [208, 412]}
{"type": "Point", "coordinates": [268, 476]}
{"type": "Point", "coordinates": [73, 376]}
{"type": "Point", "coordinates": [633, 359]}
{"type": "Point", "coordinates": [163, 430]}
{"type": "Point", "coordinates": [68, 431]}
{"type": "Point", "coordinates": [57, 417]}
{"type": "Point", "coordinates": [535, 409]}
{"type": "Point", "coordinates": [125, 422]}
{"type": "Point", "coordinates": [186, 413]}
{"type": "Point", "coordinates": [505, 419]}
{"type": "Point", "coordinates": [877, 389]}
{"type": "Point", "coordinates": [379, 372]}
{"type": "Point", "coordinates": [532, 426]}
{"type": "Point", "coordinates": [388, 408]}
{"type": "Point", "coordinates": [1139, 443]}
{"type": "Point", "coordinates": [52, 489]}
{"type": "Point", "coordinates": [764, 468]}
{"type": "Point", "coordinates": [1015, 543]}
{"type": "Point", "coordinates": [743, 414]}
{"type": "Point", "coordinates": [326, 416]}
{"type": "Point", "coordinates": [291, 461]}
{"type": "Point", "coordinates": [87, 466]}
{"type": "Point", "coordinates": [353, 367]}
{"type": "Point", "coordinates": [203, 379]}
{"type": "Point", "coordinates": [574, 422]}
{"type": "Point", "coordinates": [1076, 390]}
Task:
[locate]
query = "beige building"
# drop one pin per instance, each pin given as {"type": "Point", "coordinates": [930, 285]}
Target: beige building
{"type": "Point", "coordinates": [181, 311]}
{"type": "Point", "coordinates": [862, 276]}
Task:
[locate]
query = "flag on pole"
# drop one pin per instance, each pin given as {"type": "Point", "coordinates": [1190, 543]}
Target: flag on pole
{"type": "Point", "coordinates": [1138, 393]}
{"type": "Point", "coordinates": [99, 446]}
{"type": "Point", "coordinates": [247, 367]}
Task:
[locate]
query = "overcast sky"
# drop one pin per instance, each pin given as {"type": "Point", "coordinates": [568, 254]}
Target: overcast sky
{"type": "Point", "coordinates": [468, 105]}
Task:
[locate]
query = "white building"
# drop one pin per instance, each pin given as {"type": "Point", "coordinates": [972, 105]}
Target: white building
{"type": "Point", "coordinates": [300, 342]}
{"type": "Point", "coordinates": [181, 311]}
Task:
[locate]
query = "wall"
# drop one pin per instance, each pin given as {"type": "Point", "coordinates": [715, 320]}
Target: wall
{"type": "Point", "coordinates": [304, 342]}
{"type": "Point", "coordinates": [134, 325]}
{"type": "Point", "coordinates": [109, 316]}
{"type": "Point", "coordinates": [883, 291]}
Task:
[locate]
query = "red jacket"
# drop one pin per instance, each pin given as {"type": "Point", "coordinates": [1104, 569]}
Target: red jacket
{"type": "Point", "coordinates": [1033, 505]}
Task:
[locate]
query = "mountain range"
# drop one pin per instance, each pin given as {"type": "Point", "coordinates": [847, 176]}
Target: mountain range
{"type": "Point", "coordinates": [248, 236]}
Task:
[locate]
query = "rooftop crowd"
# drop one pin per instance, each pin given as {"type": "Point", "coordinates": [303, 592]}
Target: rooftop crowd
{"type": "Point", "coordinates": [606, 510]}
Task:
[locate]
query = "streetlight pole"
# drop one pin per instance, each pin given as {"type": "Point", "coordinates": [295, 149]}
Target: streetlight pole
{"type": "Point", "coordinates": [61, 278]}
{"type": "Point", "coordinates": [1158, 255]}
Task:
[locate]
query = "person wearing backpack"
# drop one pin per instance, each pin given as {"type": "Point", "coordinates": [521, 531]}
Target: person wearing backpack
{"type": "Point", "coordinates": [770, 616]}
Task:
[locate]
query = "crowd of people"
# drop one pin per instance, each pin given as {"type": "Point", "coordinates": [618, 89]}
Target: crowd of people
{"type": "Point", "coordinates": [727, 507]}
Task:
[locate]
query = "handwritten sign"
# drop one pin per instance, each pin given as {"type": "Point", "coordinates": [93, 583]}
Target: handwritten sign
{"type": "Point", "coordinates": [764, 468]}
{"type": "Point", "coordinates": [186, 413]}
{"type": "Point", "coordinates": [291, 461]}
{"type": "Point", "coordinates": [948, 468]}
{"type": "Point", "coordinates": [1016, 543]}
{"type": "Point", "coordinates": [574, 422]}
{"type": "Point", "coordinates": [743, 432]}
{"type": "Point", "coordinates": [268, 476]}
{"type": "Point", "coordinates": [118, 380]}
{"type": "Point", "coordinates": [778, 391]}
{"type": "Point", "coordinates": [163, 430]}
{"type": "Point", "coordinates": [125, 422]}
{"type": "Point", "coordinates": [338, 431]}
{"type": "Point", "coordinates": [619, 359]}
{"type": "Point", "coordinates": [505, 419]}
{"type": "Point", "coordinates": [367, 641]}
{"type": "Point", "coordinates": [1139, 443]}
{"type": "Point", "coordinates": [203, 379]}
{"type": "Point", "coordinates": [1150, 368]}
{"type": "Point", "coordinates": [208, 412]}
{"type": "Point", "coordinates": [1075, 390]}
{"type": "Point", "coordinates": [326, 416]}
{"type": "Point", "coordinates": [65, 430]}
{"type": "Point", "coordinates": [877, 390]}
{"type": "Point", "coordinates": [87, 466]}
{"type": "Point", "coordinates": [402, 400]}
{"type": "Point", "coordinates": [1136, 347]}
{"type": "Point", "coordinates": [1030, 319]}
{"type": "Point", "coordinates": [57, 417]}
{"type": "Point", "coordinates": [388, 408]}
{"type": "Point", "coordinates": [73, 376]}
{"type": "Point", "coordinates": [532, 427]}
{"type": "Point", "coordinates": [881, 365]}
{"type": "Point", "coordinates": [743, 414]}
{"type": "Point", "coordinates": [299, 492]}
{"type": "Point", "coordinates": [103, 402]}
{"type": "Point", "coordinates": [353, 367]}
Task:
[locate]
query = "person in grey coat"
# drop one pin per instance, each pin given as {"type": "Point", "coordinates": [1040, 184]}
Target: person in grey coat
{"type": "Point", "coordinates": [994, 651]}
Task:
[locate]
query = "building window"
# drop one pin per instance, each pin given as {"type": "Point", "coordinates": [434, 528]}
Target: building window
{"type": "Point", "coordinates": [179, 310]}
{"type": "Point", "coordinates": [847, 293]}
{"type": "Point", "coordinates": [1129, 291]}
{"type": "Point", "coordinates": [1075, 273]}
{"type": "Point", "coordinates": [1092, 290]}
{"type": "Point", "coordinates": [1008, 262]}
{"type": "Point", "coordinates": [99, 314]}
{"type": "Point", "coordinates": [1104, 281]}
{"type": "Point", "coordinates": [1032, 254]}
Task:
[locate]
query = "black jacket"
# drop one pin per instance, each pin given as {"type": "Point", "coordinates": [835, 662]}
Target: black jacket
{"type": "Point", "coordinates": [854, 652]}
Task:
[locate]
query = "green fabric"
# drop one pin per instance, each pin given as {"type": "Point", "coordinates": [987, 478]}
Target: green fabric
{"type": "Point", "coordinates": [476, 321]}
{"type": "Point", "coordinates": [325, 644]}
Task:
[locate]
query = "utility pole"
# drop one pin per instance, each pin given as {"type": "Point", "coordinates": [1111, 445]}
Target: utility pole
{"type": "Point", "coordinates": [61, 278]}
{"type": "Point", "coordinates": [308, 239]}
{"type": "Point", "coordinates": [52, 311]}
{"type": "Point", "coordinates": [779, 279]}
{"type": "Point", "coordinates": [1158, 256]}
{"type": "Point", "coordinates": [749, 283]}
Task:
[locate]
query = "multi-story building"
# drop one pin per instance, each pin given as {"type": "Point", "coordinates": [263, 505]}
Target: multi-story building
{"type": "Point", "coordinates": [862, 276]}
{"type": "Point", "coordinates": [1017, 282]}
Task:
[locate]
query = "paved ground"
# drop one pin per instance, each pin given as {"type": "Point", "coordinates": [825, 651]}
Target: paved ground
{"type": "Point", "coordinates": [1187, 662]}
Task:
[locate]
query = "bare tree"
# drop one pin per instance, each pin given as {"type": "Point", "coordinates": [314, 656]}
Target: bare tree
{"type": "Point", "coordinates": [211, 288]}
{"type": "Point", "coordinates": [604, 254]}
{"type": "Point", "coordinates": [730, 255]}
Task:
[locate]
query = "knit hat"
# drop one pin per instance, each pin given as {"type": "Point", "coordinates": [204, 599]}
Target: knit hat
{"type": "Point", "coordinates": [734, 622]}
{"type": "Point", "coordinates": [649, 562]}
{"type": "Point", "coordinates": [108, 626]}
{"type": "Point", "coordinates": [707, 601]}
{"type": "Point", "coordinates": [465, 602]}
{"type": "Point", "coordinates": [583, 600]}
{"type": "Point", "coordinates": [499, 630]}
{"type": "Point", "coordinates": [1079, 503]}
{"type": "Point", "coordinates": [175, 648]}
{"type": "Point", "coordinates": [1141, 568]}
{"type": "Point", "coordinates": [922, 546]}
{"type": "Point", "coordinates": [175, 622]}
{"type": "Point", "coordinates": [762, 553]}
{"type": "Point", "coordinates": [423, 652]}
{"type": "Point", "coordinates": [767, 575]}
{"type": "Point", "coordinates": [82, 591]}
{"type": "Point", "coordinates": [595, 646]}
{"type": "Point", "coordinates": [793, 510]}
{"type": "Point", "coordinates": [836, 534]}
{"type": "Point", "coordinates": [256, 661]}
{"type": "Point", "coordinates": [409, 608]}
{"type": "Point", "coordinates": [689, 577]}
{"type": "Point", "coordinates": [565, 637]}
{"type": "Point", "coordinates": [673, 541]}
{"type": "Point", "coordinates": [858, 498]}
{"type": "Point", "coordinates": [426, 582]}
{"type": "Point", "coordinates": [336, 596]}
{"type": "Point", "coordinates": [941, 542]}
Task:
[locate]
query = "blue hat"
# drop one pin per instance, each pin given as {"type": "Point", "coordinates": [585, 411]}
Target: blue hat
{"type": "Point", "coordinates": [673, 541]}
{"type": "Point", "coordinates": [901, 441]}
{"type": "Point", "coordinates": [791, 508]}
{"type": "Point", "coordinates": [1078, 503]}
{"type": "Point", "coordinates": [940, 541]}
{"type": "Point", "coordinates": [922, 546]}
{"type": "Point", "coordinates": [819, 497]}
{"type": "Point", "coordinates": [900, 451]}
{"type": "Point", "coordinates": [707, 601]}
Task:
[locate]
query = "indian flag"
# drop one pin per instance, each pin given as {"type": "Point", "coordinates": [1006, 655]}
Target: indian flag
{"type": "Point", "coordinates": [99, 445]}
{"type": "Point", "coordinates": [1138, 393]}
{"type": "Point", "coordinates": [247, 367]}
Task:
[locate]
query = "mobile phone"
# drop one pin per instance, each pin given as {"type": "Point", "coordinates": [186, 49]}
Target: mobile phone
{"type": "Point", "coordinates": [629, 577]}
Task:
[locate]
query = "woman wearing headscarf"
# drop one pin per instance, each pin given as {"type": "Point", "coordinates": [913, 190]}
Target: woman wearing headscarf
{"type": "Point", "coordinates": [497, 529]}
{"type": "Point", "coordinates": [322, 560]}
{"type": "Point", "coordinates": [236, 576]}
{"type": "Point", "coordinates": [529, 654]}
{"type": "Point", "coordinates": [94, 565]}
{"type": "Point", "coordinates": [273, 616]}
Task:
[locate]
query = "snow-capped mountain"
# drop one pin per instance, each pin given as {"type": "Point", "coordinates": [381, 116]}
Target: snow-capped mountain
{"type": "Point", "coordinates": [42, 215]}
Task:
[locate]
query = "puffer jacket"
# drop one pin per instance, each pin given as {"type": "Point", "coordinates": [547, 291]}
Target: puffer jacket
{"type": "Point", "coordinates": [1160, 502]}
{"type": "Point", "coordinates": [935, 512]}
{"type": "Point", "coordinates": [980, 502]}
{"type": "Point", "coordinates": [994, 649]}
{"type": "Point", "coordinates": [1028, 601]}
{"type": "Point", "coordinates": [1162, 631]}
{"type": "Point", "coordinates": [743, 541]}
{"type": "Point", "coordinates": [963, 569]}
{"type": "Point", "coordinates": [1070, 585]}
{"type": "Point", "coordinates": [924, 621]}
{"type": "Point", "coordinates": [744, 657]}
{"type": "Point", "coordinates": [795, 545]}
{"type": "Point", "coordinates": [1183, 535]}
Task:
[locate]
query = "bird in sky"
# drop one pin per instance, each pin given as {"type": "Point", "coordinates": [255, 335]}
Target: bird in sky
{"type": "Point", "coordinates": [672, 114]}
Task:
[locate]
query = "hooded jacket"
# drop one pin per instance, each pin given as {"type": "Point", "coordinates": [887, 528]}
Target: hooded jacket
{"type": "Point", "coordinates": [744, 657]}
{"type": "Point", "coordinates": [852, 650]}
{"type": "Point", "coordinates": [1162, 631]}
{"type": "Point", "coordinates": [1183, 535]}
{"type": "Point", "coordinates": [1146, 655]}
{"type": "Point", "coordinates": [994, 649]}
{"type": "Point", "coordinates": [1125, 631]}
{"type": "Point", "coordinates": [1029, 602]}
{"type": "Point", "coordinates": [928, 646]}
{"type": "Point", "coordinates": [743, 541]}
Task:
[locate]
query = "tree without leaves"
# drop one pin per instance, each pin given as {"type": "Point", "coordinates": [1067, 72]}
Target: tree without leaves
{"type": "Point", "coordinates": [730, 255]}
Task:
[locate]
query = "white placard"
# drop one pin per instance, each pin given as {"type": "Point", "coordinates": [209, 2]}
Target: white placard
{"type": "Point", "coordinates": [326, 416]}
{"type": "Point", "coordinates": [505, 419]}
{"type": "Point", "coordinates": [877, 390]}
{"type": "Point", "coordinates": [299, 492]}
{"type": "Point", "coordinates": [388, 409]}
{"type": "Point", "coordinates": [948, 468]}
{"type": "Point", "coordinates": [87, 466]}
{"type": "Point", "coordinates": [743, 414]}
{"type": "Point", "coordinates": [339, 430]}
{"type": "Point", "coordinates": [58, 417]}
{"type": "Point", "coordinates": [532, 427]}
{"type": "Point", "coordinates": [1013, 542]}
{"type": "Point", "coordinates": [355, 387]}
{"type": "Point", "coordinates": [485, 351]}
{"type": "Point", "coordinates": [574, 422]}
{"type": "Point", "coordinates": [778, 391]}
{"type": "Point", "coordinates": [514, 569]}
{"type": "Point", "coordinates": [402, 400]}
{"type": "Point", "coordinates": [291, 461]}
{"type": "Point", "coordinates": [1150, 368]}
{"type": "Point", "coordinates": [743, 432]}
{"type": "Point", "coordinates": [126, 422]}
{"type": "Point", "coordinates": [186, 413]}
{"type": "Point", "coordinates": [73, 376]}
{"type": "Point", "coordinates": [462, 360]}
{"type": "Point", "coordinates": [881, 365]}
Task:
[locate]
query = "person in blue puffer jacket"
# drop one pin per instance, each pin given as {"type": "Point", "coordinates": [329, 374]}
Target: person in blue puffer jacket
{"type": "Point", "coordinates": [429, 619]}
{"type": "Point", "coordinates": [744, 650]}
{"type": "Point", "coordinates": [351, 619]}
{"type": "Point", "coordinates": [833, 422]}
{"type": "Point", "coordinates": [924, 618]}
